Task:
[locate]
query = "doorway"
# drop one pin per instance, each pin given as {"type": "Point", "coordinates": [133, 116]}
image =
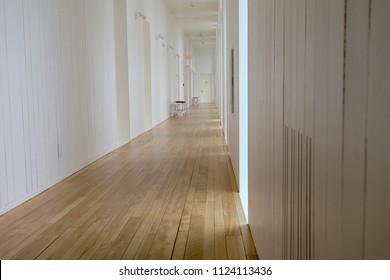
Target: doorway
{"type": "Point", "coordinates": [187, 84]}
{"type": "Point", "coordinates": [205, 88]}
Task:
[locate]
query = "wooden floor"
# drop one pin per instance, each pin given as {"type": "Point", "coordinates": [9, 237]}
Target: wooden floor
{"type": "Point", "coordinates": [168, 194]}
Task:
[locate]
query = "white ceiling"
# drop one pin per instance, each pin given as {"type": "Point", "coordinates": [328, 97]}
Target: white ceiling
{"type": "Point", "coordinates": [198, 18]}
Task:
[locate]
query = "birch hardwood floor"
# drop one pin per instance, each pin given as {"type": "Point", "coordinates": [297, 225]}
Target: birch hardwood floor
{"type": "Point", "coordinates": [168, 194]}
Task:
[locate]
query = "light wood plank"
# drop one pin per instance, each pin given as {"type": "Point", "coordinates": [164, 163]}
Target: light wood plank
{"type": "Point", "coordinates": [169, 194]}
{"type": "Point", "coordinates": [235, 248]}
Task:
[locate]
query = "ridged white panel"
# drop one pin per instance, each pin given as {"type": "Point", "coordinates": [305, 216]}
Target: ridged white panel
{"type": "Point", "coordinates": [377, 231]}
{"type": "Point", "coordinates": [58, 103]}
{"type": "Point", "coordinates": [326, 62]}
{"type": "Point", "coordinates": [163, 68]}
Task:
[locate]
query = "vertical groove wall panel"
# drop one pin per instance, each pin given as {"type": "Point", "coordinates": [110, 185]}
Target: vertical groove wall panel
{"type": "Point", "coordinates": [311, 201]}
{"type": "Point", "coordinates": [277, 119]}
{"type": "Point", "coordinates": [27, 100]}
{"type": "Point", "coordinates": [262, 120]}
{"type": "Point", "coordinates": [305, 200]}
{"type": "Point", "coordinates": [253, 117]}
{"type": "Point", "coordinates": [17, 71]}
{"type": "Point", "coordinates": [325, 213]}
{"type": "Point", "coordinates": [300, 66]}
{"type": "Point", "coordinates": [34, 57]}
{"type": "Point", "coordinates": [74, 159]}
{"type": "Point", "coordinates": [3, 90]}
{"type": "Point", "coordinates": [301, 197]}
{"type": "Point", "coordinates": [51, 88]}
{"type": "Point", "coordinates": [377, 231]}
{"type": "Point", "coordinates": [47, 52]}
{"type": "Point", "coordinates": [287, 120]}
{"type": "Point", "coordinates": [290, 192]}
{"type": "Point", "coordinates": [50, 91]}
{"type": "Point", "coordinates": [310, 27]}
{"type": "Point", "coordinates": [33, 100]}
{"type": "Point", "coordinates": [296, 195]}
{"type": "Point", "coordinates": [300, 111]}
{"type": "Point", "coordinates": [136, 66]}
{"type": "Point", "coordinates": [9, 19]}
{"type": "Point", "coordinates": [122, 70]}
{"type": "Point", "coordinates": [288, 55]}
{"type": "Point", "coordinates": [110, 74]}
{"type": "Point", "coordinates": [272, 220]}
{"type": "Point", "coordinates": [3, 174]}
{"type": "Point", "coordinates": [284, 194]}
{"type": "Point", "coordinates": [355, 128]}
{"type": "Point", "coordinates": [42, 138]}
{"type": "Point", "coordinates": [66, 113]}
{"type": "Point", "coordinates": [268, 141]}
{"type": "Point", "coordinates": [83, 129]}
{"type": "Point", "coordinates": [334, 135]}
{"type": "Point", "coordinates": [57, 90]}
{"type": "Point", "coordinates": [320, 127]}
{"type": "Point", "coordinates": [322, 203]}
{"type": "Point", "coordinates": [93, 68]}
{"type": "Point", "coordinates": [51, 82]}
{"type": "Point", "coordinates": [62, 102]}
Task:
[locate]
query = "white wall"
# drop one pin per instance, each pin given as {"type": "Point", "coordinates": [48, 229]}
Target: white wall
{"type": "Point", "coordinates": [221, 68]}
{"type": "Point", "coordinates": [203, 64]}
{"type": "Point", "coordinates": [204, 60]}
{"type": "Point", "coordinates": [243, 103]}
{"type": "Point", "coordinates": [58, 97]}
{"type": "Point", "coordinates": [319, 128]}
{"type": "Point", "coordinates": [58, 92]}
{"type": "Point", "coordinates": [122, 70]}
{"type": "Point", "coordinates": [228, 39]}
{"type": "Point", "coordinates": [190, 72]}
{"type": "Point", "coordinates": [232, 42]}
{"type": "Point", "coordinates": [164, 87]}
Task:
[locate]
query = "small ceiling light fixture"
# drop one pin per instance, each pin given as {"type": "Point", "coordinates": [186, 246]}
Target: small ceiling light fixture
{"type": "Point", "coordinates": [192, 5]}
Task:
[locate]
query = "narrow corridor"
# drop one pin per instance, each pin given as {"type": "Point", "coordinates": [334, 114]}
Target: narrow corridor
{"type": "Point", "coordinates": [168, 194]}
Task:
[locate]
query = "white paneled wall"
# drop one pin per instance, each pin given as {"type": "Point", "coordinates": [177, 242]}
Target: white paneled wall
{"type": "Point", "coordinates": [204, 64]}
{"type": "Point", "coordinates": [58, 95]}
{"type": "Point", "coordinates": [58, 85]}
{"type": "Point", "coordinates": [232, 91]}
{"type": "Point", "coordinates": [166, 88]}
{"type": "Point", "coordinates": [377, 191]}
{"type": "Point", "coordinates": [221, 67]}
{"type": "Point", "coordinates": [319, 128]}
{"type": "Point", "coordinates": [122, 70]}
{"type": "Point", "coordinates": [204, 60]}
{"type": "Point", "coordinates": [227, 96]}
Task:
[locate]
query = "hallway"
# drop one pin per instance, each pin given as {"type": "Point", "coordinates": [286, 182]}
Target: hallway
{"type": "Point", "coordinates": [168, 194]}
